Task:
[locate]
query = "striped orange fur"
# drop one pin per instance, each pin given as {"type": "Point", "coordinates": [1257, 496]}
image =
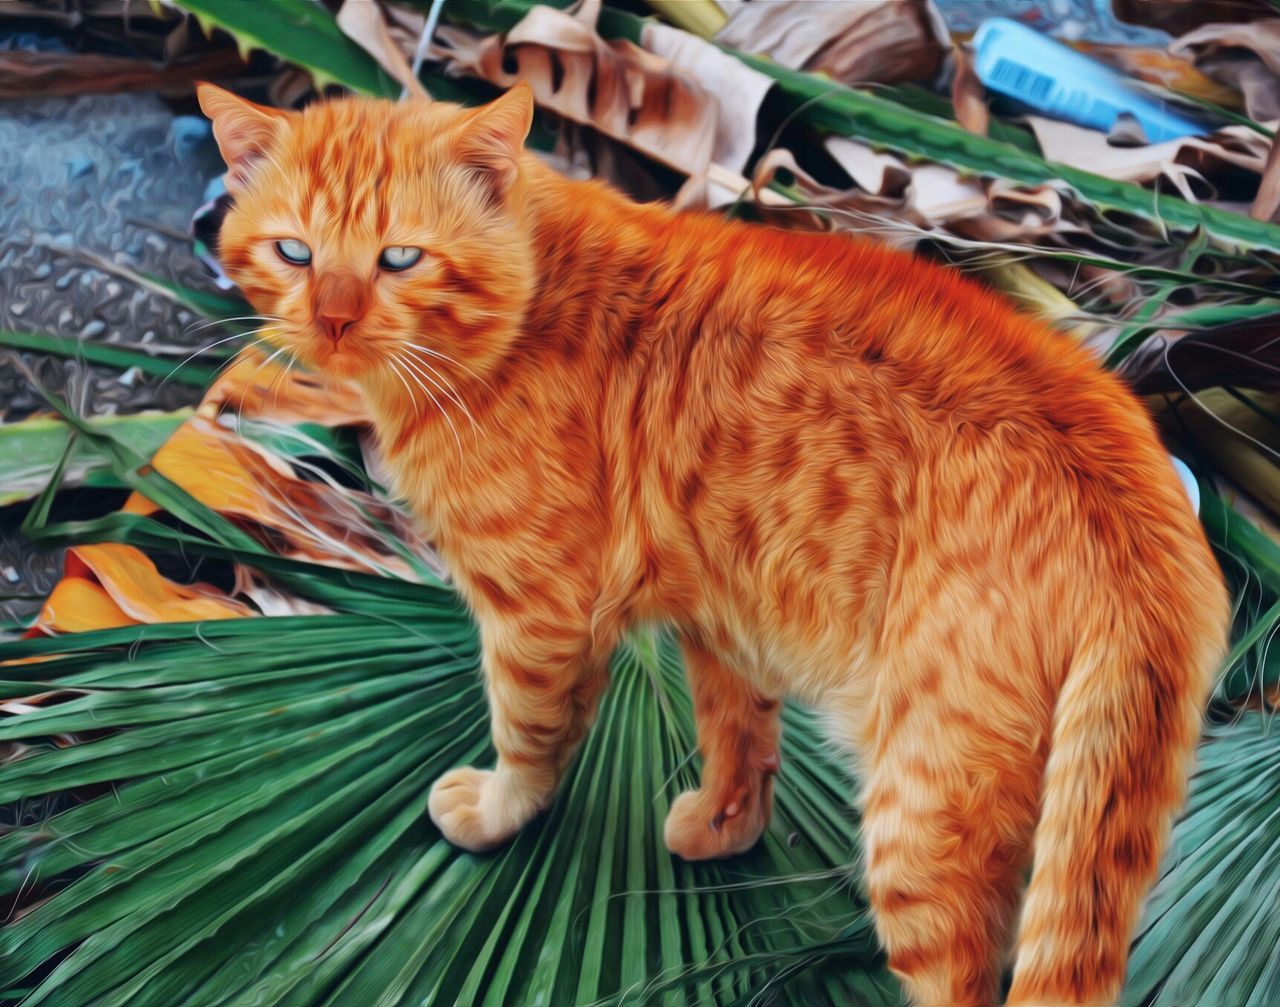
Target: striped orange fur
{"type": "Point", "coordinates": [843, 474]}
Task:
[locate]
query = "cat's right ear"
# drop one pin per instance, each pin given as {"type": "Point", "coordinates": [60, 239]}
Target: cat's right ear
{"type": "Point", "coordinates": [493, 140]}
{"type": "Point", "coordinates": [243, 130]}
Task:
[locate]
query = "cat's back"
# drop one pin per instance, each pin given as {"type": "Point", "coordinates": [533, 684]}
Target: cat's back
{"type": "Point", "coordinates": [874, 323]}
{"type": "Point", "coordinates": [922, 371]}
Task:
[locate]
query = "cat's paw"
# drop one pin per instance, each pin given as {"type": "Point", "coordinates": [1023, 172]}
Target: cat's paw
{"type": "Point", "coordinates": [706, 826]}
{"type": "Point", "coordinates": [470, 807]}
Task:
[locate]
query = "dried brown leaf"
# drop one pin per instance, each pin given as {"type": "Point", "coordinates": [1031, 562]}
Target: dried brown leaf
{"type": "Point", "coordinates": [1191, 164]}
{"type": "Point", "coordinates": [1158, 66]}
{"type": "Point", "coordinates": [110, 585]}
{"type": "Point", "coordinates": [297, 517]}
{"type": "Point", "coordinates": [853, 40]}
{"type": "Point", "coordinates": [26, 74]}
{"type": "Point", "coordinates": [1247, 56]}
{"type": "Point", "coordinates": [968, 96]}
{"type": "Point", "coordinates": [363, 22]}
{"type": "Point", "coordinates": [1267, 201]}
{"type": "Point", "coordinates": [627, 92]}
{"type": "Point", "coordinates": [736, 88]}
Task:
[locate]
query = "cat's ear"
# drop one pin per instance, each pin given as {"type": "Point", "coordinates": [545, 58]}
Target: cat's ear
{"type": "Point", "coordinates": [493, 139]}
{"type": "Point", "coordinates": [243, 130]}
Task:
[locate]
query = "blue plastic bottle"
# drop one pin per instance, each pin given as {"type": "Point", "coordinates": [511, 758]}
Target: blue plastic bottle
{"type": "Point", "coordinates": [1053, 78]}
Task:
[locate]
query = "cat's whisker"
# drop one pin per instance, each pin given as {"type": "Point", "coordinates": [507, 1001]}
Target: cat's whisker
{"type": "Point", "coordinates": [443, 412]}
{"type": "Point", "coordinates": [249, 384]}
{"type": "Point", "coordinates": [216, 343]}
{"type": "Point", "coordinates": [448, 387]}
{"type": "Point", "coordinates": [445, 389]}
{"type": "Point", "coordinates": [211, 323]}
{"type": "Point", "coordinates": [236, 358]}
{"type": "Point", "coordinates": [413, 398]}
{"type": "Point", "coordinates": [274, 390]}
{"type": "Point", "coordinates": [250, 332]}
{"type": "Point", "coordinates": [448, 360]}
{"type": "Point", "coordinates": [423, 363]}
{"type": "Point", "coordinates": [203, 349]}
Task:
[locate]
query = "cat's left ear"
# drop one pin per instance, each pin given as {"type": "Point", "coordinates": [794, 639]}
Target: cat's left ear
{"type": "Point", "coordinates": [493, 140]}
{"type": "Point", "coordinates": [244, 131]}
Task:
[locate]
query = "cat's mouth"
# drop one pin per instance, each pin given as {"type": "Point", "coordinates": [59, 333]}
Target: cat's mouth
{"type": "Point", "coordinates": [339, 360]}
{"type": "Point", "coordinates": [350, 357]}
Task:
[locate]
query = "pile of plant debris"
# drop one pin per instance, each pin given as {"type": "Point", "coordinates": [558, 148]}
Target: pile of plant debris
{"type": "Point", "coordinates": [221, 723]}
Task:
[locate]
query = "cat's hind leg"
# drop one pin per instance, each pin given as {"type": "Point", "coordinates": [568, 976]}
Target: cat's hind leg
{"type": "Point", "coordinates": [738, 734]}
{"type": "Point", "coordinates": [949, 805]}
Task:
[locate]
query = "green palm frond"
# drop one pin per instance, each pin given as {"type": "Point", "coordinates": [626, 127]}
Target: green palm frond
{"type": "Point", "coordinates": [258, 834]}
{"type": "Point", "coordinates": [1211, 933]}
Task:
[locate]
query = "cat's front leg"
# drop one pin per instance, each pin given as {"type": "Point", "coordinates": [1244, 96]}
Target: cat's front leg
{"type": "Point", "coordinates": [543, 691]}
{"type": "Point", "coordinates": [738, 733]}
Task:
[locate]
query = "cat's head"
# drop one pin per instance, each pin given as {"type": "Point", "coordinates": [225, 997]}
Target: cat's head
{"type": "Point", "coordinates": [387, 241]}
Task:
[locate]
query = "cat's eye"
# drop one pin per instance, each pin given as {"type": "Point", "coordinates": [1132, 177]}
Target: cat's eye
{"type": "Point", "coordinates": [293, 252]}
{"type": "Point", "coordinates": [398, 257]}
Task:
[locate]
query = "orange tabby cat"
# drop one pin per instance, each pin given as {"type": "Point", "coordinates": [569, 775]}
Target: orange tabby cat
{"type": "Point", "coordinates": [841, 473]}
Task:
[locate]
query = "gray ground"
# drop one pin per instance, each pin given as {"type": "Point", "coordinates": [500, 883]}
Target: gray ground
{"type": "Point", "coordinates": [117, 176]}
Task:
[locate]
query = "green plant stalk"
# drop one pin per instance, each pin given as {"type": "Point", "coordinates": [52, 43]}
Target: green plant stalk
{"type": "Point", "coordinates": [192, 373]}
{"type": "Point", "coordinates": [1233, 532]}
{"type": "Point", "coordinates": [202, 302]}
{"type": "Point", "coordinates": [30, 448]}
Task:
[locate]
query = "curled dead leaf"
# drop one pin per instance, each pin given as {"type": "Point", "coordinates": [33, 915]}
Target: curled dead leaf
{"type": "Point", "coordinates": [26, 74]}
{"type": "Point", "coordinates": [938, 196]}
{"type": "Point", "coordinates": [1267, 201]}
{"type": "Point", "coordinates": [29, 704]}
{"type": "Point", "coordinates": [736, 89]}
{"type": "Point", "coordinates": [1191, 164]}
{"type": "Point", "coordinates": [366, 23]}
{"type": "Point", "coordinates": [853, 41]}
{"type": "Point", "coordinates": [626, 92]}
{"type": "Point", "coordinates": [1243, 55]}
{"type": "Point", "coordinates": [111, 585]}
{"type": "Point", "coordinates": [305, 516]}
{"type": "Point", "coordinates": [76, 605]}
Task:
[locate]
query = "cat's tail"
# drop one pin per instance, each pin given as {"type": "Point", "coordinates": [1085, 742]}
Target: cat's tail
{"type": "Point", "coordinates": [1125, 726]}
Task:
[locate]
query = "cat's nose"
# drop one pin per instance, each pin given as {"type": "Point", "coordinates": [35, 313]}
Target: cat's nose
{"type": "Point", "coordinates": [340, 301]}
{"type": "Point", "coordinates": [335, 326]}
